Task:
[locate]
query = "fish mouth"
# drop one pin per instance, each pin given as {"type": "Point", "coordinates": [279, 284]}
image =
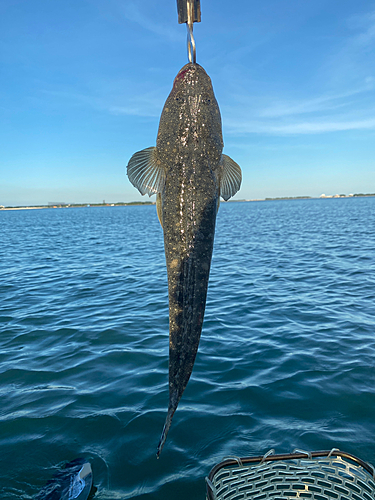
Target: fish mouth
{"type": "Point", "coordinates": [188, 71]}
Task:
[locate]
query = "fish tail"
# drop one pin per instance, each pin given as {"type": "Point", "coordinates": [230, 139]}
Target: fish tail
{"type": "Point", "coordinates": [166, 427]}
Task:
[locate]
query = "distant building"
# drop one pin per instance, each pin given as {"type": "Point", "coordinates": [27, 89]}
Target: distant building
{"type": "Point", "coordinates": [334, 195]}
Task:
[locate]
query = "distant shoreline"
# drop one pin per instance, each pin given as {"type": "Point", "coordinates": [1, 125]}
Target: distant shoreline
{"type": "Point", "coordinates": [134, 203]}
{"type": "Point", "coordinates": [79, 205]}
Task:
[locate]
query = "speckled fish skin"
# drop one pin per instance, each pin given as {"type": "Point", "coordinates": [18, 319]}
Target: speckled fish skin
{"type": "Point", "coordinates": [189, 173]}
{"type": "Point", "coordinates": [190, 142]}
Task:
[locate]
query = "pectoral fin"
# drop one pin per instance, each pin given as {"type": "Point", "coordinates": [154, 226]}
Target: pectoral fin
{"type": "Point", "coordinates": [145, 173]}
{"type": "Point", "coordinates": [231, 177]}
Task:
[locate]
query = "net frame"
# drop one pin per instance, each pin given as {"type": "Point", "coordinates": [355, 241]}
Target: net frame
{"type": "Point", "coordinates": [317, 475]}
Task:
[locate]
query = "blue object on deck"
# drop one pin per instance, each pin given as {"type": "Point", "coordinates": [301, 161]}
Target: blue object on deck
{"type": "Point", "coordinates": [74, 482]}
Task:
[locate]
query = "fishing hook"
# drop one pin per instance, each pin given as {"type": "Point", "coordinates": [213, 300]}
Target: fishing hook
{"type": "Point", "coordinates": [190, 36]}
{"type": "Point", "coordinates": [189, 13]}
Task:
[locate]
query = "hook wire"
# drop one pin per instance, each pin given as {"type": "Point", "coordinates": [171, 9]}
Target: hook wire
{"type": "Point", "coordinates": [192, 52]}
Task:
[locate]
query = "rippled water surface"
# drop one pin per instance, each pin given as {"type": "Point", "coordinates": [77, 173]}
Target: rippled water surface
{"type": "Point", "coordinates": [286, 359]}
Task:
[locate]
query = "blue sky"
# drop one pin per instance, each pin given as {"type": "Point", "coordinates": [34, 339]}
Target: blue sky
{"type": "Point", "coordinates": [83, 83]}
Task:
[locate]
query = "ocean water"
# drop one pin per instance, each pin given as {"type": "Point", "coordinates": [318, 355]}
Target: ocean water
{"type": "Point", "coordinates": [286, 359]}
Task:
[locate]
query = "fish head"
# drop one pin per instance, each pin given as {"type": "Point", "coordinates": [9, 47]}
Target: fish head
{"type": "Point", "coordinates": [191, 115]}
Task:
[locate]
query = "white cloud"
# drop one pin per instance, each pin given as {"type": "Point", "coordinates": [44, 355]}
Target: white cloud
{"type": "Point", "coordinates": [133, 13]}
{"type": "Point", "coordinates": [117, 98]}
{"type": "Point", "coordinates": [322, 103]}
{"type": "Point", "coordinates": [353, 60]}
{"type": "Point", "coordinates": [366, 24]}
{"type": "Point", "coordinates": [344, 99]}
{"type": "Point", "coordinates": [296, 128]}
{"type": "Point", "coordinates": [323, 126]}
{"type": "Point", "coordinates": [134, 110]}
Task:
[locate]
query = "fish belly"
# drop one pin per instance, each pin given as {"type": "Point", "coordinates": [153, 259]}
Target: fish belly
{"type": "Point", "coordinates": [189, 227]}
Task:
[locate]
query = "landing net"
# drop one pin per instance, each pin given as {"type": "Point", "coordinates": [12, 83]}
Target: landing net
{"type": "Point", "coordinates": [320, 475]}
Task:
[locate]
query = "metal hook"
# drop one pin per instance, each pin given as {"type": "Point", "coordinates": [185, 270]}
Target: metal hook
{"type": "Point", "coordinates": [189, 12]}
{"type": "Point", "coordinates": [183, 11]}
{"type": "Point", "coordinates": [190, 36]}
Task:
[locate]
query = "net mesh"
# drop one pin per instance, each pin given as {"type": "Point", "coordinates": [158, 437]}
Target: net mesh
{"type": "Point", "coordinates": [326, 478]}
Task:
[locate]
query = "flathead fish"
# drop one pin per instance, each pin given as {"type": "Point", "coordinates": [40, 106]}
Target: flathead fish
{"type": "Point", "coordinates": [188, 173]}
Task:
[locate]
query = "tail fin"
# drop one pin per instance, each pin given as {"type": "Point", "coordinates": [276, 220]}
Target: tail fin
{"type": "Point", "coordinates": [166, 427]}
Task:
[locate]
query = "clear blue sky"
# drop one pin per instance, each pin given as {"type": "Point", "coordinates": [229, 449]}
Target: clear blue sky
{"type": "Point", "coordinates": [82, 85]}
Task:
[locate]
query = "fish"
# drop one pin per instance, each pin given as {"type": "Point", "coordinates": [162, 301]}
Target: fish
{"type": "Point", "coordinates": [188, 173]}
